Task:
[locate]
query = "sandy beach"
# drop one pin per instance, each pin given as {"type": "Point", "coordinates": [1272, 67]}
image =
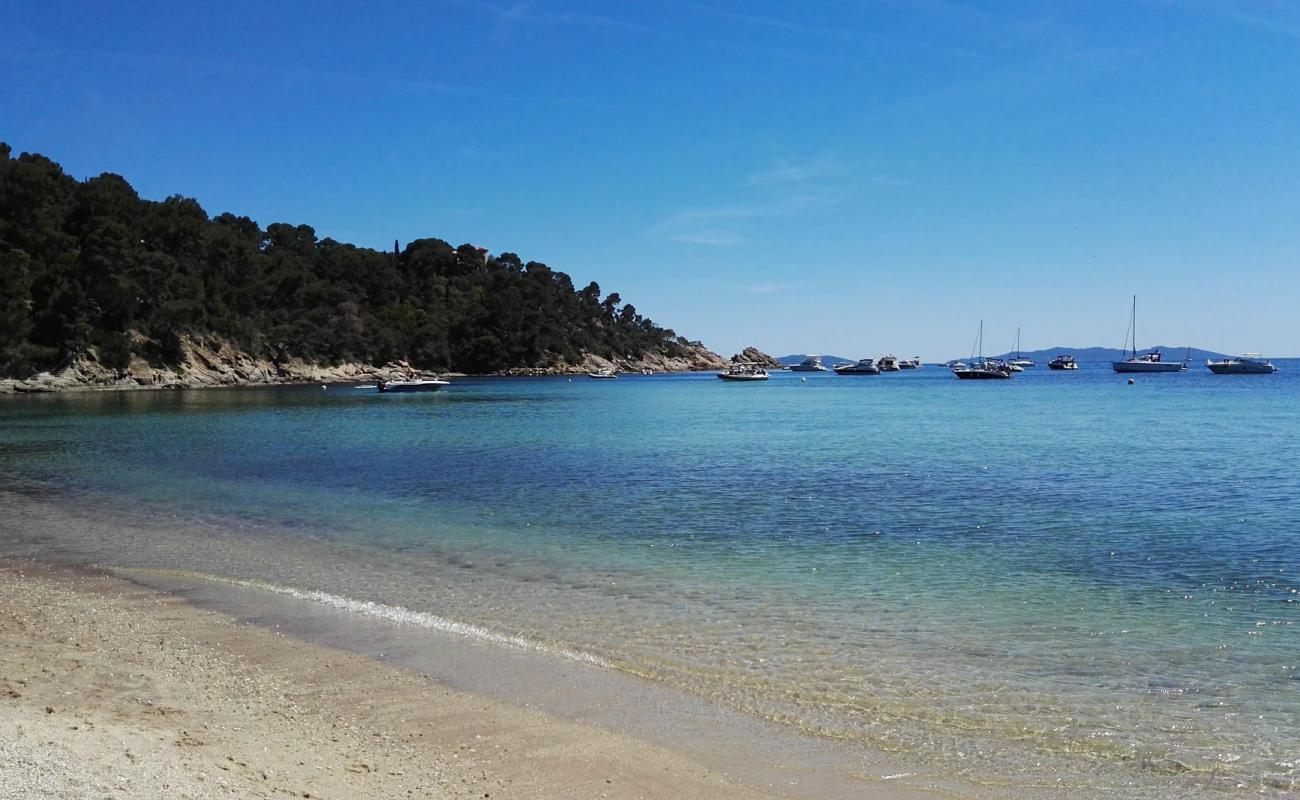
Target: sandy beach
{"type": "Point", "coordinates": [109, 689]}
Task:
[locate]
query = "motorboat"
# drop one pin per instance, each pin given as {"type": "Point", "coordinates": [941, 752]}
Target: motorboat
{"type": "Point", "coordinates": [1013, 366]}
{"type": "Point", "coordinates": [744, 372]}
{"type": "Point", "coordinates": [910, 363]}
{"type": "Point", "coordinates": [865, 366]}
{"type": "Point", "coordinates": [956, 364]}
{"type": "Point", "coordinates": [407, 385]}
{"type": "Point", "coordinates": [809, 364]}
{"type": "Point", "coordinates": [1245, 364]}
{"type": "Point", "coordinates": [1143, 362]}
{"type": "Point", "coordinates": [1063, 361]}
{"type": "Point", "coordinates": [983, 369]}
{"type": "Point", "coordinates": [888, 363]}
{"type": "Point", "coordinates": [603, 374]}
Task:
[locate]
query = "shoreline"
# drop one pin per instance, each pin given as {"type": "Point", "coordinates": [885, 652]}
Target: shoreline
{"type": "Point", "coordinates": [111, 686]}
{"type": "Point", "coordinates": [209, 362]}
{"type": "Point", "coordinates": [664, 742]}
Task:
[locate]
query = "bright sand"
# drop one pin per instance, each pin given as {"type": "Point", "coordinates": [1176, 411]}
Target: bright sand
{"type": "Point", "coordinates": [110, 689]}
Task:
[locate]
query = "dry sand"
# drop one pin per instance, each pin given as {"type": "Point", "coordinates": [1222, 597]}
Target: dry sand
{"type": "Point", "coordinates": [111, 690]}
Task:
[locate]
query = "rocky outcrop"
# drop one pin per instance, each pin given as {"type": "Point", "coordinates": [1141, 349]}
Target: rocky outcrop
{"type": "Point", "coordinates": [205, 361]}
{"type": "Point", "coordinates": [210, 361]}
{"type": "Point", "coordinates": [697, 358]}
{"type": "Point", "coordinates": [752, 355]}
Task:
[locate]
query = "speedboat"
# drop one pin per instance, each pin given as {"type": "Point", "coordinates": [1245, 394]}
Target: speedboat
{"type": "Point", "coordinates": [1144, 362]}
{"type": "Point", "coordinates": [910, 363]}
{"type": "Point", "coordinates": [744, 372]}
{"type": "Point", "coordinates": [888, 363]}
{"type": "Point", "coordinates": [1245, 364]}
{"type": "Point", "coordinates": [809, 364]}
{"type": "Point", "coordinates": [865, 366]}
{"type": "Point", "coordinates": [412, 385]}
{"type": "Point", "coordinates": [1063, 361]}
{"type": "Point", "coordinates": [603, 374]}
{"type": "Point", "coordinates": [956, 365]}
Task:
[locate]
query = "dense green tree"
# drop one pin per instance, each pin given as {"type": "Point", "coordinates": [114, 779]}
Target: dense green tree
{"type": "Point", "coordinates": [92, 265]}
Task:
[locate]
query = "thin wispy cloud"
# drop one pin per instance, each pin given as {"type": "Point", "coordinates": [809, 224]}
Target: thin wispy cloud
{"type": "Point", "coordinates": [709, 238]}
{"type": "Point", "coordinates": [793, 171]}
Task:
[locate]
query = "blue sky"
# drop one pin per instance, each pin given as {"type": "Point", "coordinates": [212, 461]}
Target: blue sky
{"type": "Point", "coordinates": [844, 177]}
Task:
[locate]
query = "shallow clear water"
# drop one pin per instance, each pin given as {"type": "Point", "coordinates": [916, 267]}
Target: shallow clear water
{"type": "Point", "coordinates": [1056, 581]}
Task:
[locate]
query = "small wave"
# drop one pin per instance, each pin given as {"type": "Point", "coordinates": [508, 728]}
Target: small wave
{"type": "Point", "coordinates": [398, 614]}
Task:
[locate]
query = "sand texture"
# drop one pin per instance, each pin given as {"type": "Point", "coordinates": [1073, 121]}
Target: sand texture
{"type": "Point", "coordinates": [110, 690]}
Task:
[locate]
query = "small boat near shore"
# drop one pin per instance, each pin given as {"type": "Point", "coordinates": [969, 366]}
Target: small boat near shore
{"type": "Point", "coordinates": [603, 374]}
{"type": "Point", "coordinates": [409, 385]}
{"type": "Point", "coordinates": [1245, 364]}
{"type": "Point", "coordinates": [1065, 361]}
{"type": "Point", "coordinates": [744, 372]}
{"type": "Point", "coordinates": [865, 366]}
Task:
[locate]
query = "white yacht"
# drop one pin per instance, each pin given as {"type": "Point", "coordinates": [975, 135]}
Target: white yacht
{"type": "Point", "coordinates": [1245, 364]}
{"type": "Point", "coordinates": [603, 374]}
{"type": "Point", "coordinates": [809, 364]}
{"type": "Point", "coordinates": [865, 366]}
{"type": "Point", "coordinates": [888, 363]}
{"type": "Point", "coordinates": [910, 363]}
{"type": "Point", "coordinates": [1064, 361]}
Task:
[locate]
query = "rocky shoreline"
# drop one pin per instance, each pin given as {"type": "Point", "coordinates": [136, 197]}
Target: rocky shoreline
{"type": "Point", "coordinates": [209, 362]}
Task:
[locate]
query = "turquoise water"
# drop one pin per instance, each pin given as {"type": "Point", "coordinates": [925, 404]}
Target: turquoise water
{"type": "Point", "coordinates": [1060, 581]}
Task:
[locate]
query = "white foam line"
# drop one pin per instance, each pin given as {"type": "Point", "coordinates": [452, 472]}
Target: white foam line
{"type": "Point", "coordinates": [403, 616]}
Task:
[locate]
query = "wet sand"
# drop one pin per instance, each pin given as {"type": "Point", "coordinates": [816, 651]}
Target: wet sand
{"type": "Point", "coordinates": [112, 689]}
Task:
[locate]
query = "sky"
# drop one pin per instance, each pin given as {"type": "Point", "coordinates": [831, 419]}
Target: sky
{"type": "Point", "coordinates": [851, 178]}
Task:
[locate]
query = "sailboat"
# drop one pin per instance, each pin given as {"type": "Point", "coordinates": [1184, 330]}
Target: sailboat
{"type": "Point", "coordinates": [1146, 362]}
{"type": "Point", "coordinates": [1019, 360]}
{"type": "Point", "coordinates": [984, 368]}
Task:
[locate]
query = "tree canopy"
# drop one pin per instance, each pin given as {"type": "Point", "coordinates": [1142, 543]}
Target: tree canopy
{"type": "Point", "coordinates": [91, 264]}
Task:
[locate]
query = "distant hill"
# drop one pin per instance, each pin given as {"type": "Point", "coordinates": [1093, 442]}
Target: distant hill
{"type": "Point", "coordinates": [1087, 354]}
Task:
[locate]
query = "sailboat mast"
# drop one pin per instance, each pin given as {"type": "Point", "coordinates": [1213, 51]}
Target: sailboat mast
{"type": "Point", "coordinates": [1134, 319]}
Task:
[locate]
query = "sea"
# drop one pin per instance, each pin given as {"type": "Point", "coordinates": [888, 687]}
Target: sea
{"type": "Point", "coordinates": [1060, 585]}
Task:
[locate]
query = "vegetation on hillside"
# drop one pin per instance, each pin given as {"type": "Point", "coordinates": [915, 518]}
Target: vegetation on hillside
{"type": "Point", "coordinates": [90, 264]}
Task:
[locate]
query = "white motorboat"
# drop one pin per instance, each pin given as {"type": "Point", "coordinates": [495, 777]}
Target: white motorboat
{"type": "Point", "coordinates": [1063, 361]}
{"type": "Point", "coordinates": [744, 372]}
{"type": "Point", "coordinates": [1143, 362]}
{"type": "Point", "coordinates": [865, 366]}
{"type": "Point", "coordinates": [1245, 364]}
{"type": "Point", "coordinates": [603, 374]}
{"type": "Point", "coordinates": [809, 364]}
{"type": "Point", "coordinates": [910, 363]}
{"type": "Point", "coordinates": [888, 363]}
{"type": "Point", "coordinates": [408, 385]}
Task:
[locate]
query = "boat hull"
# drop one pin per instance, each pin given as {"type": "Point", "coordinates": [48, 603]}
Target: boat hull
{"type": "Point", "coordinates": [741, 378]}
{"type": "Point", "coordinates": [1146, 366]}
{"type": "Point", "coordinates": [412, 388]}
{"type": "Point", "coordinates": [1063, 367]}
{"type": "Point", "coordinates": [1241, 369]}
{"type": "Point", "coordinates": [981, 374]}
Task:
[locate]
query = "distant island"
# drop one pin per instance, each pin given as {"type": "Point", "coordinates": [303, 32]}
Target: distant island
{"type": "Point", "coordinates": [102, 287]}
